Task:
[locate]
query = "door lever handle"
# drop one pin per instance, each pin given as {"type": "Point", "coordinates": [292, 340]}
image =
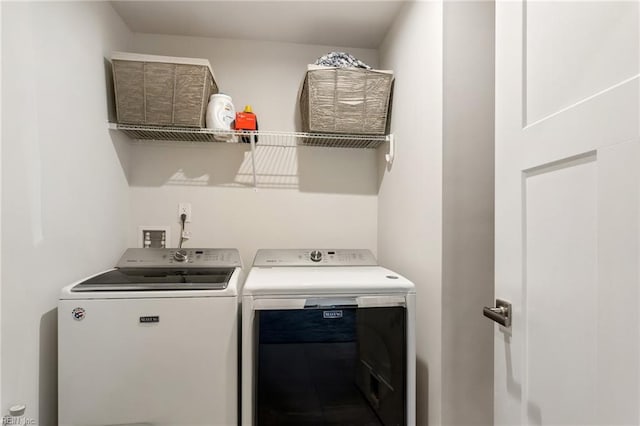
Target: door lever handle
{"type": "Point", "coordinates": [500, 314]}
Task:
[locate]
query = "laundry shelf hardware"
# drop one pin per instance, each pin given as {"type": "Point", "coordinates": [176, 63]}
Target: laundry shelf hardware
{"type": "Point", "coordinates": [263, 137]}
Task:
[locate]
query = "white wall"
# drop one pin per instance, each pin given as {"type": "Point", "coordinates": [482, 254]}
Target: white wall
{"type": "Point", "coordinates": [306, 197]}
{"type": "Point", "coordinates": [64, 191]}
{"type": "Point", "coordinates": [435, 211]}
{"type": "Point", "coordinates": [410, 198]}
{"type": "Point", "coordinates": [468, 157]}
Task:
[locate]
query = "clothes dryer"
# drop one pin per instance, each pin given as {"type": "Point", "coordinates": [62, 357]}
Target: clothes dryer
{"type": "Point", "coordinates": [328, 337]}
{"type": "Point", "coordinates": [153, 341]}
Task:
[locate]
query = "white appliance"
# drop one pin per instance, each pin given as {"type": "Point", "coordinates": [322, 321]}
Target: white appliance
{"type": "Point", "coordinates": [328, 337]}
{"type": "Point", "coordinates": [153, 341]}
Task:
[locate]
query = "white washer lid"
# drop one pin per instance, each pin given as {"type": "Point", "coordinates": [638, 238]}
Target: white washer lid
{"type": "Point", "coordinates": [352, 280]}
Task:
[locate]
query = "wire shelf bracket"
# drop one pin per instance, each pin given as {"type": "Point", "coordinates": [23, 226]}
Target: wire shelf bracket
{"type": "Point", "coordinates": [391, 154]}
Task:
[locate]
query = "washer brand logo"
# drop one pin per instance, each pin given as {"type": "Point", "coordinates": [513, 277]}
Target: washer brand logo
{"type": "Point", "coordinates": [154, 318]}
{"type": "Point", "coordinates": [78, 314]}
{"type": "Point", "coordinates": [331, 314]}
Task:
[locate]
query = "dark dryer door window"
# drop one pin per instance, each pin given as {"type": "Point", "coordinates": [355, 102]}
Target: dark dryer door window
{"type": "Point", "coordinates": [342, 366]}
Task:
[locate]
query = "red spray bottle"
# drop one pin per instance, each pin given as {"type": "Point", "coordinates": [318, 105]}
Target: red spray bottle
{"type": "Point", "coordinates": [246, 120]}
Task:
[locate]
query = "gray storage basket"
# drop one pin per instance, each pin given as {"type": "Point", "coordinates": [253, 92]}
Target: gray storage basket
{"type": "Point", "coordinates": [152, 92]}
{"type": "Point", "coordinates": [346, 100]}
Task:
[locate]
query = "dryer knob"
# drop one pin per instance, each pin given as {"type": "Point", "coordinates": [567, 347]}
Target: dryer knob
{"type": "Point", "coordinates": [316, 256]}
{"type": "Point", "coordinates": [180, 255]}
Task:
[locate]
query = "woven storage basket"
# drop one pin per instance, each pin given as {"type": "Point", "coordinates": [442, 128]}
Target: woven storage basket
{"type": "Point", "coordinates": [161, 90]}
{"type": "Point", "coordinates": [346, 100]}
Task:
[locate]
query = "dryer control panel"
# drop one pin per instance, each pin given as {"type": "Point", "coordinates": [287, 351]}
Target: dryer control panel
{"type": "Point", "coordinates": [183, 257]}
{"type": "Point", "coordinates": [314, 257]}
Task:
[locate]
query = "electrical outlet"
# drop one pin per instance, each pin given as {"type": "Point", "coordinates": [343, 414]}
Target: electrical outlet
{"type": "Point", "coordinates": [184, 208]}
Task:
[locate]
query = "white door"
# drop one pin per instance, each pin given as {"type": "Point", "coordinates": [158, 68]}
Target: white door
{"type": "Point", "coordinates": [568, 212]}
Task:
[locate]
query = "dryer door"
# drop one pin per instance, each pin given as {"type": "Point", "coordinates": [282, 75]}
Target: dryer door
{"type": "Point", "coordinates": [331, 360]}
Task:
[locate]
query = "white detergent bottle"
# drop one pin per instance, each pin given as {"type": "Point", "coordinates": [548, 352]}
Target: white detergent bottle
{"type": "Point", "coordinates": [220, 115]}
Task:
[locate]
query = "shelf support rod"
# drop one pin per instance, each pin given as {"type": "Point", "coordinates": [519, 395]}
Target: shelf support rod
{"type": "Point", "coordinates": [390, 155]}
{"type": "Point", "coordinates": [252, 138]}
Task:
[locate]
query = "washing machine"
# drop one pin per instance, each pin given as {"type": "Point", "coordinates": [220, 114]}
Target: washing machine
{"type": "Point", "coordinates": [153, 341]}
{"type": "Point", "coordinates": [328, 338]}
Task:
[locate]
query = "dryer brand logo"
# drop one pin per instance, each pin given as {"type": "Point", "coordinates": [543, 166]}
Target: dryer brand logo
{"type": "Point", "coordinates": [152, 318]}
{"type": "Point", "coordinates": [331, 314]}
{"type": "Point", "coordinates": [78, 314]}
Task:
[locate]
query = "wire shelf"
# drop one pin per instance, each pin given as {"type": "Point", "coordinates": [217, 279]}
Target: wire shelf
{"type": "Point", "coordinates": [263, 137]}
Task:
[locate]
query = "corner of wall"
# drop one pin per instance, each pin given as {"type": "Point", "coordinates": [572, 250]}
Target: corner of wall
{"type": "Point", "coordinates": [468, 188]}
{"type": "Point", "coordinates": [410, 193]}
{"type": "Point", "coordinates": [52, 73]}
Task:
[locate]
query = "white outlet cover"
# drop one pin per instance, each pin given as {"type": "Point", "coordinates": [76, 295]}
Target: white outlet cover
{"type": "Point", "coordinates": [186, 208]}
{"type": "Point", "coordinates": [143, 228]}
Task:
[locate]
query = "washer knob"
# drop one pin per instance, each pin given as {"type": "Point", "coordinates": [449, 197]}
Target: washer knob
{"type": "Point", "coordinates": [316, 256]}
{"type": "Point", "coordinates": [180, 255]}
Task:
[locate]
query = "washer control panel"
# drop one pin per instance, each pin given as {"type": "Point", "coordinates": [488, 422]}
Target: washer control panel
{"type": "Point", "coordinates": [314, 257]}
{"type": "Point", "coordinates": [184, 257]}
